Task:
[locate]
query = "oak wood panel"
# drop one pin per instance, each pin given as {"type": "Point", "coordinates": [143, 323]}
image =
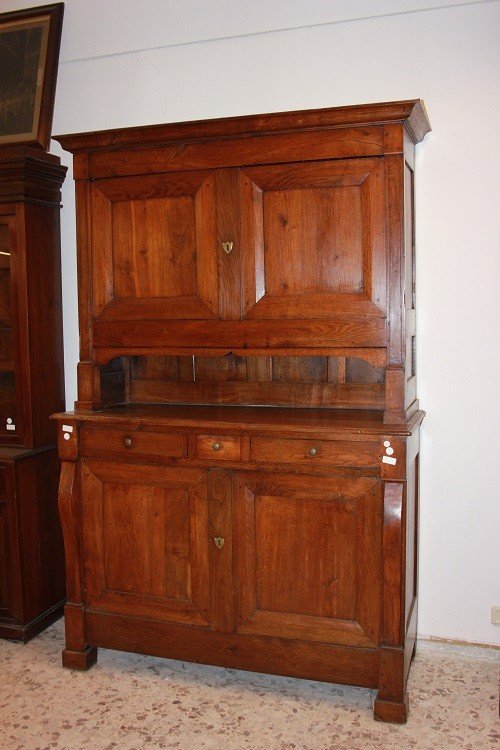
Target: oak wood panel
{"type": "Point", "coordinates": [322, 226]}
{"type": "Point", "coordinates": [228, 152]}
{"type": "Point", "coordinates": [375, 357]}
{"type": "Point", "coordinates": [157, 255]}
{"type": "Point", "coordinates": [218, 448]}
{"type": "Point", "coordinates": [221, 559]}
{"type": "Point", "coordinates": [281, 394]}
{"type": "Point", "coordinates": [68, 513]}
{"type": "Point", "coordinates": [333, 452]}
{"type": "Point", "coordinates": [281, 421]}
{"type": "Point", "coordinates": [228, 230]}
{"type": "Point", "coordinates": [290, 334]}
{"type": "Point", "coordinates": [231, 367]}
{"type": "Point", "coordinates": [316, 661]}
{"type": "Point", "coordinates": [411, 112]}
{"type": "Point", "coordinates": [288, 587]}
{"type": "Point", "coordinates": [95, 443]}
{"type": "Point", "coordinates": [393, 584]}
{"type": "Point", "coordinates": [129, 569]}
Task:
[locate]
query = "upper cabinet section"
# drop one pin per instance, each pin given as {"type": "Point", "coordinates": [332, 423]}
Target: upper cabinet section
{"type": "Point", "coordinates": [199, 235]}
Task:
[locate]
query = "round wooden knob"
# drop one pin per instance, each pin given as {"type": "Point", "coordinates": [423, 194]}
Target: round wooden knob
{"type": "Point", "coordinates": [128, 442]}
{"type": "Point", "coordinates": [312, 451]}
{"type": "Point", "coordinates": [216, 446]}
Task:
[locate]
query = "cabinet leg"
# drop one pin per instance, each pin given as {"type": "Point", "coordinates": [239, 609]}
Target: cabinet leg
{"type": "Point", "coordinates": [77, 654]}
{"type": "Point", "coordinates": [391, 702]}
{"type": "Point", "coordinates": [81, 660]}
{"type": "Point", "coordinates": [392, 711]}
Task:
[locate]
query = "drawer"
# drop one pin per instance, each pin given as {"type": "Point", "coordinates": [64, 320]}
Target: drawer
{"type": "Point", "coordinates": [218, 447]}
{"type": "Point", "coordinates": [333, 452]}
{"type": "Point", "coordinates": [134, 444]}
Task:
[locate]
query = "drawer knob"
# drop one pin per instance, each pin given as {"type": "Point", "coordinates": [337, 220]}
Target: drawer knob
{"type": "Point", "coordinates": [127, 442]}
{"type": "Point", "coordinates": [313, 451]}
{"type": "Point", "coordinates": [216, 446]}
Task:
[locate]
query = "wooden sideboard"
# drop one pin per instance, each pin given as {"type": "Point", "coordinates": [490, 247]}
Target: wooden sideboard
{"type": "Point", "coordinates": [240, 475]}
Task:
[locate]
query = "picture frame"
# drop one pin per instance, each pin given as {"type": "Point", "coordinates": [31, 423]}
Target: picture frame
{"type": "Point", "coordinates": [29, 55]}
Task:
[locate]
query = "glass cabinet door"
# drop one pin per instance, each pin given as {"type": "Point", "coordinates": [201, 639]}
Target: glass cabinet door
{"type": "Point", "coordinates": [7, 369]}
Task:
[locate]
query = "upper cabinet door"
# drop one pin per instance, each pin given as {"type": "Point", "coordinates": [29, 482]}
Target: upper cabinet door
{"type": "Point", "coordinates": [222, 252]}
{"type": "Point", "coordinates": [315, 242]}
{"type": "Point", "coordinates": [153, 247]}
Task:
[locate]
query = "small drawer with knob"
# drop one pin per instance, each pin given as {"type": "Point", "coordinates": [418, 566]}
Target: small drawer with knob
{"type": "Point", "coordinates": [311, 451]}
{"type": "Point", "coordinates": [218, 448]}
{"type": "Point", "coordinates": [131, 444]}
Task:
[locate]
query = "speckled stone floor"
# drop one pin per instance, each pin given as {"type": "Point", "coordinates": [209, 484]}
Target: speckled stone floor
{"type": "Point", "coordinates": [130, 702]}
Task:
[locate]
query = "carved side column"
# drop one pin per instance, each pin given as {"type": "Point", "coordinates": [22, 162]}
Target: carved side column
{"type": "Point", "coordinates": [391, 703]}
{"type": "Point", "coordinates": [77, 654]}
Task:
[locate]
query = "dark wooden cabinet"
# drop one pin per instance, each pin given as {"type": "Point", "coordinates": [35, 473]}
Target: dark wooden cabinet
{"type": "Point", "coordinates": [32, 586]}
{"type": "Point", "coordinates": [239, 477]}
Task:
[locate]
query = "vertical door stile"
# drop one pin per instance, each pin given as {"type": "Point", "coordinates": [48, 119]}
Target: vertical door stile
{"type": "Point", "coordinates": [229, 241]}
{"type": "Point", "coordinates": [221, 551]}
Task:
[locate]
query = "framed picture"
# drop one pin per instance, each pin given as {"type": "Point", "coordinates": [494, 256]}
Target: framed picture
{"type": "Point", "coordinates": [29, 55]}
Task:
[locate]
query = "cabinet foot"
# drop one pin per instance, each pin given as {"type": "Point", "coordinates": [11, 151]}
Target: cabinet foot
{"type": "Point", "coordinates": [395, 712]}
{"type": "Point", "coordinates": [81, 660]}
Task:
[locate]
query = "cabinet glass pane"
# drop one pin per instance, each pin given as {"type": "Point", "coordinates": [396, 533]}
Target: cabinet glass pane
{"type": "Point", "coordinates": [7, 377]}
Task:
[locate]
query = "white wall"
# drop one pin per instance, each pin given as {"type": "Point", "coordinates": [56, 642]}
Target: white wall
{"type": "Point", "coordinates": [128, 63]}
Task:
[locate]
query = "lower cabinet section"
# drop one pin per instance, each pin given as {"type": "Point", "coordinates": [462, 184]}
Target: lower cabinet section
{"type": "Point", "coordinates": [283, 571]}
{"type": "Point", "coordinates": [32, 572]}
{"type": "Point", "coordinates": [306, 550]}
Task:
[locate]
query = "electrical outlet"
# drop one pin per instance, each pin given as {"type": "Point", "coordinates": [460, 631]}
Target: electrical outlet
{"type": "Point", "coordinates": [495, 615]}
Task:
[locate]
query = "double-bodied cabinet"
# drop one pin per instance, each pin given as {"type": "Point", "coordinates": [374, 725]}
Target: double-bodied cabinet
{"type": "Point", "coordinates": [240, 474]}
{"type": "Point", "coordinates": [32, 580]}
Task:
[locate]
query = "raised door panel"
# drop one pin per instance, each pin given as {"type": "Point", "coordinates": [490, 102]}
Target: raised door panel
{"type": "Point", "coordinates": [307, 558]}
{"type": "Point", "coordinates": [317, 233]}
{"type": "Point", "coordinates": [153, 247]}
{"type": "Point", "coordinates": [10, 594]}
{"type": "Point", "coordinates": [146, 543]}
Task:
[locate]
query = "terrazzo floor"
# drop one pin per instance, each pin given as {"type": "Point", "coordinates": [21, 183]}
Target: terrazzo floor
{"type": "Point", "coordinates": [131, 702]}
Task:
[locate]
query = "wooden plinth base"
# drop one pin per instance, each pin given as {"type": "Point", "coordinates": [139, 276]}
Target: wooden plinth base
{"type": "Point", "coordinates": [79, 660]}
{"type": "Point", "coordinates": [391, 711]}
{"type": "Point", "coordinates": [24, 633]}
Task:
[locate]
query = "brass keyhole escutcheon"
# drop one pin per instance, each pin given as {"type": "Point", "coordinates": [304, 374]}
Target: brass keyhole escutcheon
{"type": "Point", "coordinates": [219, 542]}
{"type": "Point", "coordinates": [227, 247]}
